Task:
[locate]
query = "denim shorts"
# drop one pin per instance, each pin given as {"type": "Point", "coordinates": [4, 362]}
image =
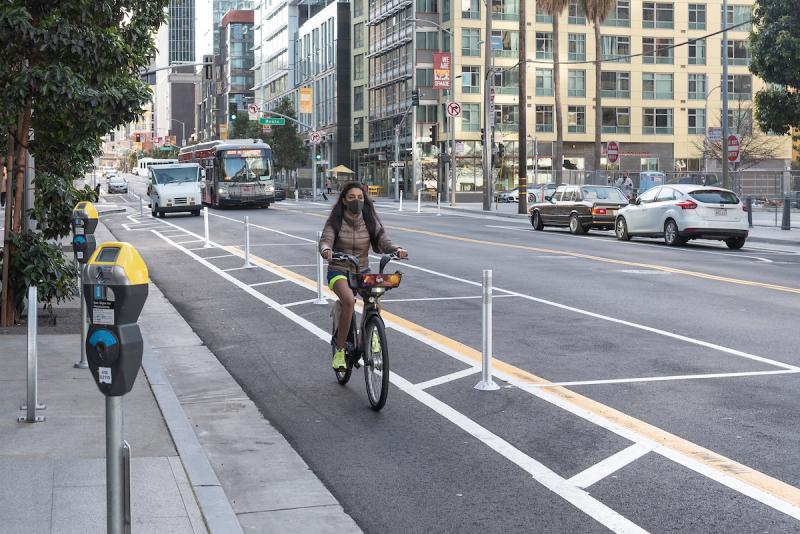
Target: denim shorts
{"type": "Point", "coordinates": [334, 275]}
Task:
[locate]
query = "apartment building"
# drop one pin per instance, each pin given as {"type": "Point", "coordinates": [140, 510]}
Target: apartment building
{"type": "Point", "coordinates": [275, 29]}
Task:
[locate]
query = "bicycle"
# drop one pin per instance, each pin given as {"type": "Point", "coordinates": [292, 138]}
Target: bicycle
{"type": "Point", "coordinates": [368, 344]}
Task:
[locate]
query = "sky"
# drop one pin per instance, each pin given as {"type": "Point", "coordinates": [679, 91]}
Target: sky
{"type": "Point", "coordinates": [204, 37]}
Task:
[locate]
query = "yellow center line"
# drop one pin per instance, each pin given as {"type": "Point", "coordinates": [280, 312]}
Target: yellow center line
{"type": "Point", "coordinates": [626, 263]}
{"type": "Point", "coordinates": [756, 479]}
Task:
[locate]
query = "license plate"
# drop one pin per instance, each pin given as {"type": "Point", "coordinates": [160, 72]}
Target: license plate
{"type": "Point", "coordinates": [721, 212]}
{"type": "Point", "coordinates": [611, 212]}
{"type": "Point", "coordinates": [248, 189]}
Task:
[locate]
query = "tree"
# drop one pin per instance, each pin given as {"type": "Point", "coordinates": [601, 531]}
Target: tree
{"type": "Point", "coordinates": [555, 8]}
{"type": "Point", "coordinates": [775, 50]}
{"type": "Point", "coordinates": [70, 73]}
{"type": "Point", "coordinates": [244, 128]}
{"type": "Point", "coordinates": [597, 11]}
{"type": "Point", "coordinates": [287, 146]}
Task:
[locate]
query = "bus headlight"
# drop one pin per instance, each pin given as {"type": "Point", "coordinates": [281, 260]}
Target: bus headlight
{"type": "Point", "coordinates": [222, 191]}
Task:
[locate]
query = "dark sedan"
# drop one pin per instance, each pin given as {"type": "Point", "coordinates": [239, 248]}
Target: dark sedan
{"type": "Point", "coordinates": [579, 207]}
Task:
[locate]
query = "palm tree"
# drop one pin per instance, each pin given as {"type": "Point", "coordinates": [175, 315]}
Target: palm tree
{"type": "Point", "coordinates": [597, 11]}
{"type": "Point", "coordinates": [554, 8]}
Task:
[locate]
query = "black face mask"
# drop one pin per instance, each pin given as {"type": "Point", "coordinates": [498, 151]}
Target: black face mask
{"type": "Point", "coordinates": [355, 206]}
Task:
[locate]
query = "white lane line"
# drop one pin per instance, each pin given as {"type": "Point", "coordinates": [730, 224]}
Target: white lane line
{"type": "Point", "coordinates": [191, 241]}
{"type": "Point", "coordinates": [213, 257]}
{"type": "Point", "coordinates": [549, 479]}
{"type": "Point", "coordinates": [299, 302]}
{"type": "Point", "coordinates": [302, 265]}
{"type": "Point", "coordinates": [252, 225]}
{"type": "Point", "coordinates": [668, 378]}
{"type": "Point", "coordinates": [610, 465]}
{"type": "Point", "coordinates": [234, 268]}
{"type": "Point", "coordinates": [448, 378]}
{"type": "Point", "coordinates": [266, 283]}
{"type": "Point", "coordinates": [425, 299]}
{"type": "Point", "coordinates": [271, 244]}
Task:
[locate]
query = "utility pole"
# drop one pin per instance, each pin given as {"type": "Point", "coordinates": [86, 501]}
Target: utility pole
{"type": "Point", "coordinates": [522, 143]}
{"type": "Point", "coordinates": [452, 125]}
{"type": "Point", "coordinates": [488, 133]}
{"type": "Point", "coordinates": [724, 152]}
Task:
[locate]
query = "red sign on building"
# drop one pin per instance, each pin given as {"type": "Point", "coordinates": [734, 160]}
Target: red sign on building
{"type": "Point", "coordinates": [441, 70]}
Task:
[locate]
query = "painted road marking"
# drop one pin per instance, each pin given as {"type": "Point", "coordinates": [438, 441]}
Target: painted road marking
{"type": "Point", "coordinates": [426, 299]}
{"type": "Point", "coordinates": [674, 377]}
{"type": "Point", "coordinates": [610, 465]}
{"type": "Point", "coordinates": [263, 283]}
{"type": "Point", "coordinates": [448, 378]}
{"type": "Point", "coordinates": [541, 473]}
{"type": "Point", "coordinates": [215, 257]}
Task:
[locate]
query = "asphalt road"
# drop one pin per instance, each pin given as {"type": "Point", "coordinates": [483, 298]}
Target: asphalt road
{"type": "Point", "coordinates": [679, 369]}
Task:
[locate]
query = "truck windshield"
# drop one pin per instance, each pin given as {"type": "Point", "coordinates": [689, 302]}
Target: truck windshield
{"type": "Point", "coordinates": [175, 175]}
{"type": "Point", "coordinates": [246, 165]}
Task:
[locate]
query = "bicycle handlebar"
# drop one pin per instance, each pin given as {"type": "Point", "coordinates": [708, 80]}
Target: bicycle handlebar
{"type": "Point", "coordinates": [385, 259]}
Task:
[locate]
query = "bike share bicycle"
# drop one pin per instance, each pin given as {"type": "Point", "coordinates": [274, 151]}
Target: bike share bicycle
{"type": "Point", "coordinates": [367, 345]}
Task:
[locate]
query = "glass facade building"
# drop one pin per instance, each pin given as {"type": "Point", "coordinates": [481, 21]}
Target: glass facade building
{"type": "Point", "coordinates": [181, 31]}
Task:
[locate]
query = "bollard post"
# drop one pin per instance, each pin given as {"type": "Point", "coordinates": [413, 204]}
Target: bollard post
{"type": "Point", "coordinates": [438, 206]}
{"type": "Point", "coordinates": [419, 201]}
{"type": "Point", "coordinates": [84, 324]}
{"type": "Point", "coordinates": [786, 221]}
{"type": "Point", "coordinates": [205, 225]}
{"type": "Point", "coordinates": [247, 242]}
{"type": "Point", "coordinates": [32, 390]}
{"type": "Point", "coordinates": [115, 517]}
{"type": "Point", "coordinates": [750, 212]}
{"type": "Point", "coordinates": [320, 274]}
{"type": "Point", "coordinates": [486, 383]}
{"type": "Point", "coordinates": [401, 203]}
{"type": "Point", "coordinates": [296, 196]}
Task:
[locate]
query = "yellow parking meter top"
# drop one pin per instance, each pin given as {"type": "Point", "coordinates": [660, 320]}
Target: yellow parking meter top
{"type": "Point", "coordinates": [122, 255]}
{"type": "Point", "coordinates": [85, 209]}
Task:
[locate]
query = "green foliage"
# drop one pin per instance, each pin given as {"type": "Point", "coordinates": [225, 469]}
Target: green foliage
{"type": "Point", "coordinates": [53, 204]}
{"type": "Point", "coordinates": [37, 262]}
{"type": "Point", "coordinates": [775, 47]}
{"type": "Point", "coordinates": [287, 146]}
{"type": "Point", "coordinates": [244, 128]}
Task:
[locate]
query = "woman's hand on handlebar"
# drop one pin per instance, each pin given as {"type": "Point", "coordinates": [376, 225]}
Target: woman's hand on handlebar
{"type": "Point", "coordinates": [327, 254]}
{"type": "Point", "coordinates": [401, 253]}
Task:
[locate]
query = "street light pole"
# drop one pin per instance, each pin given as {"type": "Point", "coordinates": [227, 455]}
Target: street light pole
{"type": "Point", "coordinates": [724, 152]}
{"type": "Point", "coordinates": [488, 134]}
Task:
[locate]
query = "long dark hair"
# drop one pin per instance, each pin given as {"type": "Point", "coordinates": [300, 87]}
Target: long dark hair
{"type": "Point", "coordinates": [371, 219]}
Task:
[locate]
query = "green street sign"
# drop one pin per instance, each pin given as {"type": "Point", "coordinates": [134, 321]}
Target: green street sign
{"type": "Point", "coordinates": [272, 121]}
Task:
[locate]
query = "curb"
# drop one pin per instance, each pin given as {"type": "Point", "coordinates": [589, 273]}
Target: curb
{"type": "Point", "coordinates": [211, 498]}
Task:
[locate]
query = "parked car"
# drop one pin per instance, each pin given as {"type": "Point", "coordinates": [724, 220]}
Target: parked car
{"type": "Point", "coordinates": [697, 178]}
{"type": "Point", "coordinates": [280, 192]}
{"type": "Point", "coordinates": [117, 184]}
{"type": "Point", "coordinates": [579, 207]}
{"type": "Point", "coordinates": [512, 195]}
{"type": "Point", "coordinates": [682, 212]}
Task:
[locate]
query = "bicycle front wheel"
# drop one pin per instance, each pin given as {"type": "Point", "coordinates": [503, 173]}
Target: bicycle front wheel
{"type": "Point", "coordinates": [376, 362]}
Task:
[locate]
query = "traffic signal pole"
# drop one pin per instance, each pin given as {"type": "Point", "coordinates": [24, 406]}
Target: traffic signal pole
{"type": "Point", "coordinates": [488, 133]}
{"type": "Point", "coordinates": [724, 151]}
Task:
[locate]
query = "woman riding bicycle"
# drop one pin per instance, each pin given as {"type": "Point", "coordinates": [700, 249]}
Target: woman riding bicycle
{"type": "Point", "coordinates": [351, 228]}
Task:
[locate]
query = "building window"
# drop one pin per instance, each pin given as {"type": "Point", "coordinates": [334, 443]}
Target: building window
{"type": "Point", "coordinates": [576, 82]}
{"type": "Point", "coordinates": [656, 50]}
{"type": "Point", "coordinates": [427, 6]}
{"type": "Point", "coordinates": [506, 117]}
{"type": "Point", "coordinates": [697, 52]}
{"type": "Point", "coordinates": [576, 119]}
{"type": "Point", "coordinates": [470, 9]}
{"type": "Point", "coordinates": [697, 87]}
{"type": "Point", "coordinates": [656, 86]}
{"type": "Point", "coordinates": [358, 98]}
{"type": "Point", "coordinates": [576, 14]}
{"type": "Point", "coordinates": [615, 84]}
{"type": "Point", "coordinates": [445, 10]}
{"type": "Point", "coordinates": [697, 16]}
{"type": "Point", "coordinates": [739, 15]}
{"type": "Point", "coordinates": [544, 118]}
{"type": "Point", "coordinates": [358, 8]}
{"type": "Point", "coordinates": [505, 43]}
{"type": "Point", "coordinates": [648, 164]}
{"type": "Point", "coordinates": [616, 48]}
{"type": "Point", "coordinates": [424, 77]}
{"type": "Point", "coordinates": [657, 121]}
{"type": "Point", "coordinates": [697, 121]}
{"type": "Point", "coordinates": [740, 121]}
{"type": "Point", "coordinates": [620, 14]}
{"type": "Point", "coordinates": [506, 81]}
{"type": "Point", "coordinates": [470, 37]}
{"type": "Point", "coordinates": [577, 46]}
{"type": "Point", "coordinates": [428, 41]}
{"type": "Point", "coordinates": [470, 80]}
{"type": "Point", "coordinates": [358, 130]}
{"type": "Point", "coordinates": [657, 15]}
{"type": "Point", "coordinates": [471, 117]}
{"type": "Point", "coordinates": [358, 67]}
{"type": "Point", "coordinates": [740, 86]}
{"type": "Point", "coordinates": [426, 113]}
{"type": "Point", "coordinates": [358, 35]}
{"type": "Point", "coordinates": [544, 45]}
{"type": "Point", "coordinates": [505, 9]}
{"type": "Point", "coordinates": [616, 120]}
{"type": "Point", "coordinates": [544, 82]}
{"type": "Point", "coordinates": [542, 16]}
{"type": "Point", "coordinates": [738, 53]}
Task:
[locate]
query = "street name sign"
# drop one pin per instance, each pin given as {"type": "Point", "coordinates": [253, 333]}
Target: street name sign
{"type": "Point", "coordinates": [272, 121]}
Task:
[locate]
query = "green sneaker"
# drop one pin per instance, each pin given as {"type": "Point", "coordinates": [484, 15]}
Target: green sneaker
{"type": "Point", "coordinates": [338, 360]}
{"type": "Point", "coordinates": [375, 343]}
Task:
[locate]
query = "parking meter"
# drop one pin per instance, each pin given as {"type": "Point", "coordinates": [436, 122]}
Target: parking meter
{"type": "Point", "coordinates": [115, 284]}
{"type": "Point", "coordinates": [84, 223]}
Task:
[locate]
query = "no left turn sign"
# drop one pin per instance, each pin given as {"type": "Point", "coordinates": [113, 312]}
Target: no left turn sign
{"type": "Point", "coordinates": [315, 138]}
{"type": "Point", "coordinates": [454, 109]}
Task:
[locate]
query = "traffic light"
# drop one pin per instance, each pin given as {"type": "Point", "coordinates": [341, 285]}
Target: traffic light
{"type": "Point", "coordinates": [208, 68]}
{"type": "Point", "coordinates": [434, 134]}
{"type": "Point", "coordinates": [319, 157]}
{"type": "Point", "coordinates": [501, 151]}
{"type": "Point", "coordinates": [415, 97]}
{"type": "Point", "coordinates": [233, 108]}
{"type": "Point", "coordinates": [137, 138]}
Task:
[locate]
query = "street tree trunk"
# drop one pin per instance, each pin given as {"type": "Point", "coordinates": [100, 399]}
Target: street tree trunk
{"type": "Point", "coordinates": [558, 158]}
{"type": "Point", "coordinates": [522, 144]}
{"type": "Point", "coordinates": [598, 98]}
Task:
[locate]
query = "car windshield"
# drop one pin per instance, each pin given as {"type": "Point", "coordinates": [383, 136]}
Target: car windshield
{"type": "Point", "coordinates": [177, 175]}
{"type": "Point", "coordinates": [715, 196]}
{"type": "Point", "coordinates": [246, 165]}
{"type": "Point", "coordinates": [610, 194]}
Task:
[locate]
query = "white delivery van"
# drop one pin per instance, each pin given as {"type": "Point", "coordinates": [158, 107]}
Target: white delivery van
{"type": "Point", "coordinates": [176, 187]}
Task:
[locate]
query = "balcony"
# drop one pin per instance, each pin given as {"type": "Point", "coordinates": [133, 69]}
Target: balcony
{"type": "Point", "coordinates": [615, 94]}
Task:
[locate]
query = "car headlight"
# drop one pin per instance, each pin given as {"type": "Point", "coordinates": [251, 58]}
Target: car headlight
{"type": "Point", "coordinates": [269, 188]}
{"type": "Point", "coordinates": [222, 191]}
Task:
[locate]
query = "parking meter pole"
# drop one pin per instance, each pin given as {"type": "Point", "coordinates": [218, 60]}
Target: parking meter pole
{"type": "Point", "coordinates": [84, 326]}
{"type": "Point", "coordinates": [320, 273]}
{"type": "Point", "coordinates": [750, 212]}
{"type": "Point", "coordinates": [486, 383]}
{"type": "Point", "coordinates": [786, 222]}
{"type": "Point", "coordinates": [205, 227]}
{"type": "Point", "coordinates": [247, 242]}
{"type": "Point", "coordinates": [32, 390]}
{"type": "Point", "coordinates": [114, 463]}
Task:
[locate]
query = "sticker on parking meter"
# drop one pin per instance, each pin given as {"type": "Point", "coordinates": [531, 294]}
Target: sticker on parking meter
{"type": "Point", "coordinates": [104, 375]}
{"type": "Point", "coordinates": [79, 255]}
{"type": "Point", "coordinates": [79, 230]}
{"type": "Point", "coordinates": [103, 312]}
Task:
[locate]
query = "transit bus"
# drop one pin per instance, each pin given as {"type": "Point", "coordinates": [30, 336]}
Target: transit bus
{"type": "Point", "coordinates": [238, 172]}
{"type": "Point", "coordinates": [143, 165]}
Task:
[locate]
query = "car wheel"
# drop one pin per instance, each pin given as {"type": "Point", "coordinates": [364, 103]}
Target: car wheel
{"type": "Point", "coordinates": [735, 242]}
{"type": "Point", "coordinates": [575, 226]}
{"type": "Point", "coordinates": [154, 210]}
{"type": "Point", "coordinates": [196, 213]}
{"type": "Point", "coordinates": [536, 221]}
{"type": "Point", "coordinates": [671, 236]}
{"type": "Point", "coordinates": [621, 229]}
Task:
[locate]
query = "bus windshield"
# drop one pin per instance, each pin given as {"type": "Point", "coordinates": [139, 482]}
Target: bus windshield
{"type": "Point", "coordinates": [246, 165]}
{"type": "Point", "coordinates": [175, 175]}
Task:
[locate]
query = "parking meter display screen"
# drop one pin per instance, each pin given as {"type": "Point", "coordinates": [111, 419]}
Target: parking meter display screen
{"type": "Point", "coordinates": [108, 255]}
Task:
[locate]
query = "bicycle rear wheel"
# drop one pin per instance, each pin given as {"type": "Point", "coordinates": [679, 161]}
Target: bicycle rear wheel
{"type": "Point", "coordinates": [376, 362]}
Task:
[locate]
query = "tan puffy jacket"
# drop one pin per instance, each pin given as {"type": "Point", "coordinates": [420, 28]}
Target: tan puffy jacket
{"type": "Point", "coordinates": [353, 239]}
